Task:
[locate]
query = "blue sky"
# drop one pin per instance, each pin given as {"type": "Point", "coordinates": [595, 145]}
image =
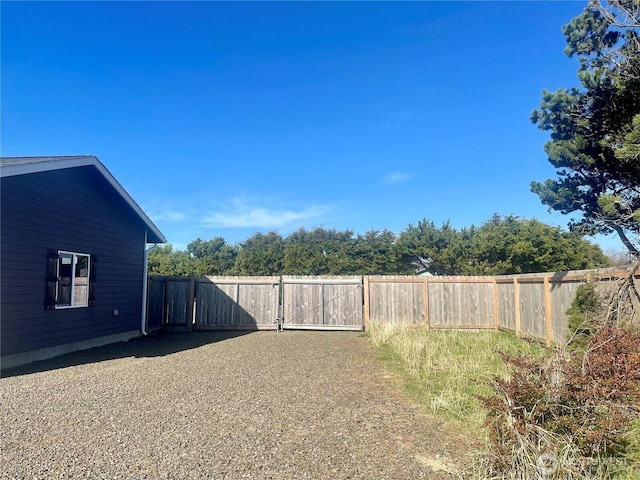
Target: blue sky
{"type": "Point", "coordinates": [226, 119]}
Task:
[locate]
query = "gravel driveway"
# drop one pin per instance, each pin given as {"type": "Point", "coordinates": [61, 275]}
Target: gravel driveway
{"type": "Point", "coordinates": [263, 405]}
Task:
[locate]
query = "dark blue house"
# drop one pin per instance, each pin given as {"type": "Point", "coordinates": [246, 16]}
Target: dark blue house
{"type": "Point", "coordinates": [73, 258]}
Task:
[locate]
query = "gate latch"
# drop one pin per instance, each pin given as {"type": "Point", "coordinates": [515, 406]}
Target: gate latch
{"type": "Point", "coordinates": [279, 323]}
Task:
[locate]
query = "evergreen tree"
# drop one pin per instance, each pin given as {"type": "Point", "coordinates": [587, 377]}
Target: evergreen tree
{"type": "Point", "coordinates": [595, 129]}
{"type": "Point", "coordinates": [261, 254]}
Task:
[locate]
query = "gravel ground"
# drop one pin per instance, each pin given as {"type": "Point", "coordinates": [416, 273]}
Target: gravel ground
{"type": "Point", "coordinates": [263, 405]}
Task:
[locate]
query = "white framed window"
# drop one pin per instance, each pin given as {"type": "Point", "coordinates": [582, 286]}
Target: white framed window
{"type": "Point", "coordinates": [69, 279]}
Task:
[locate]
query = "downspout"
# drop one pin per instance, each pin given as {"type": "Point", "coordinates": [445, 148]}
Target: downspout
{"type": "Point", "coordinates": [145, 281]}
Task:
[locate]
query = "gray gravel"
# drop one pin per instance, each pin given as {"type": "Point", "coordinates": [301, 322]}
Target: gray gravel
{"type": "Point", "coordinates": [263, 405]}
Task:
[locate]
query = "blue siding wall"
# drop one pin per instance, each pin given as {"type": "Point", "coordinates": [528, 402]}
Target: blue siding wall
{"type": "Point", "coordinates": [76, 210]}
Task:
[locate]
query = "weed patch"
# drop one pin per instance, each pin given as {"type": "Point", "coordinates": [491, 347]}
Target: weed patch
{"type": "Point", "coordinates": [537, 413]}
{"type": "Point", "coordinates": [446, 370]}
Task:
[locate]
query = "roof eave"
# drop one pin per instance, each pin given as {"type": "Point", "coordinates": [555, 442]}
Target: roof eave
{"type": "Point", "coordinates": [154, 235]}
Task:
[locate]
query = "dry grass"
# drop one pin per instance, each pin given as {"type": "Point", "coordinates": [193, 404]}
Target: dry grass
{"type": "Point", "coordinates": [445, 369]}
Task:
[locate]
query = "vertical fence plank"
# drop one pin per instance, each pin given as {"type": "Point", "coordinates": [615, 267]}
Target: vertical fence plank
{"type": "Point", "coordinates": [425, 296]}
{"type": "Point", "coordinates": [367, 308]}
{"type": "Point", "coordinates": [516, 306]}
{"type": "Point", "coordinates": [496, 306]}
{"type": "Point", "coordinates": [190, 303]}
{"type": "Point", "coordinates": [506, 310]}
{"type": "Point", "coordinates": [547, 311]}
{"type": "Point", "coordinates": [165, 307]}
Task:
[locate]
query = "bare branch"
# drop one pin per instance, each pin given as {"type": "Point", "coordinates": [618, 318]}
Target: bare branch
{"type": "Point", "coordinates": [620, 14]}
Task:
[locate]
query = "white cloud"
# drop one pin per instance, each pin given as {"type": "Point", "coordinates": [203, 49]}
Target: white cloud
{"type": "Point", "coordinates": [241, 215]}
{"type": "Point", "coordinates": [396, 177]}
{"type": "Point", "coordinates": [169, 216]}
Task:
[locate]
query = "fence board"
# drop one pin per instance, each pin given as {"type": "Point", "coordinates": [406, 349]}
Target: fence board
{"type": "Point", "coordinates": [506, 307]}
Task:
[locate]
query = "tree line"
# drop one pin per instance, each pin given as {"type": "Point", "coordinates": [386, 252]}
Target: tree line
{"type": "Point", "coordinates": [502, 245]}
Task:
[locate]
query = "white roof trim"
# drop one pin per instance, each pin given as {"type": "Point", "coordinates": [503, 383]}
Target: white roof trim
{"type": "Point", "coordinates": [45, 164]}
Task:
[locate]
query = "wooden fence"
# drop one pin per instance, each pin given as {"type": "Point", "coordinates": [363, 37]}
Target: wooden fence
{"type": "Point", "coordinates": [213, 303]}
{"type": "Point", "coordinates": [532, 305]}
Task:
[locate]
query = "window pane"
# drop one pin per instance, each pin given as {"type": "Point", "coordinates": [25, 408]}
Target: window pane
{"type": "Point", "coordinates": [81, 281]}
{"type": "Point", "coordinates": [82, 266]}
{"type": "Point", "coordinates": [80, 295]}
{"type": "Point", "coordinates": [65, 274]}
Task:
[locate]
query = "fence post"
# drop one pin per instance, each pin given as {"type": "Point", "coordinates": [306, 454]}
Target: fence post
{"type": "Point", "coordinates": [547, 311]}
{"type": "Point", "coordinates": [365, 295]}
{"type": "Point", "coordinates": [516, 306]}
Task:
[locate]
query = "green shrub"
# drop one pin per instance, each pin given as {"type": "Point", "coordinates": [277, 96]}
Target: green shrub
{"type": "Point", "coordinates": [584, 309]}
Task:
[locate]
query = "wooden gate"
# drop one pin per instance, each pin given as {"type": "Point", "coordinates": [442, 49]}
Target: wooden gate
{"type": "Point", "coordinates": [237, 303]}
{"type": "Point", "coordinates": [255, 303]}
{"type": "Point", "coordinates": [170, 303]}
{"type": "Point", "coordinates": [156, 303]}
{"type": "Point", "coordinates": [322, 303]}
